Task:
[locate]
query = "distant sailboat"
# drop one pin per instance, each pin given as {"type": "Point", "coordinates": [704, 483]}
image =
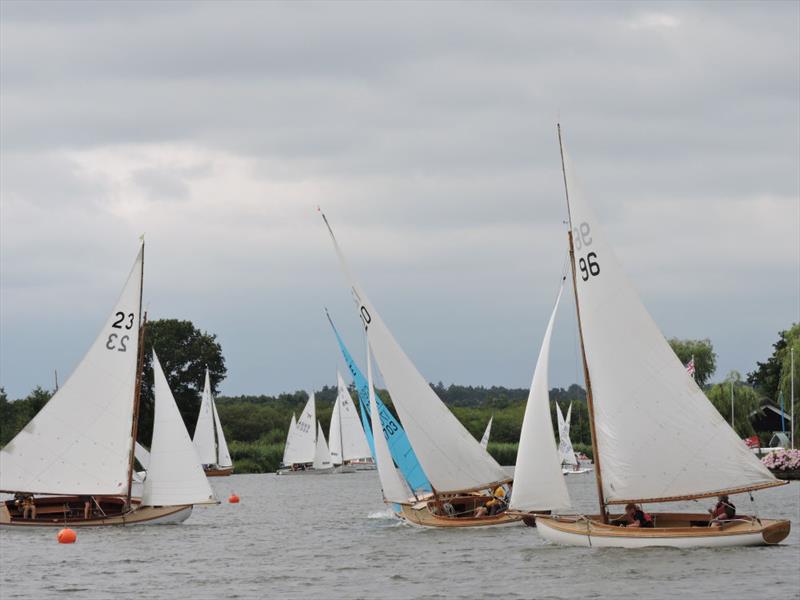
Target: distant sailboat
{"type": "Point", "coordinates": [75, 460]}
{"type": "Point", "coordinates": [648, 417]}
{"type": "Point", "coordinates": [209, 439]}
{"type": "Point", "coordinates": [303, 453]}
{"type": "Point", "coordinates": [487, 433]}
{"type": "Point", "coordinates": [454, 461]}
{"type": "Point", "coordinates": [569, 461]}
{"type": "Point", "coordinates": [348, 443]}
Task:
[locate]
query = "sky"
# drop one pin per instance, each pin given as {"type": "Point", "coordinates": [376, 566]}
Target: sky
{"type": "Point", "coordinates": [427, 134]}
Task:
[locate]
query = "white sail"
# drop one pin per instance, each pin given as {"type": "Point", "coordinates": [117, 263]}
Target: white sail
{"type": "Point", "coordinates": [288, 449]}
{"type": "Point", "coordinates": [353, 440]}
{"type": "Point", "coordinates": [538, 481]}
{"type": "Point", "coordinates": [223, 455]}
{"type": "Point", "coordinates": [204, 430]}
{"type": "Point", "coordinates": [335, 435]}
{"type": "Point", "coordinates": [487, 433]}
{"type": "Point", "coordinates": [175, 476]}
{"type": "Point", "coordinates": [565, 449]}
{"type": "Point", "coordinates": [80, 442]}
{"type": "Point", "coordinates": [393, 485]}
{"type": "Point", "coordinates": [142, 455]}
{"type": "Point", "coordinates": [322, 455]}
{"type": "Point", "coordinates": [658, 436]}
{"type": "Point", "coordinates": [304, 439]}
{"type": "Point", "coordinates": [452, 459]}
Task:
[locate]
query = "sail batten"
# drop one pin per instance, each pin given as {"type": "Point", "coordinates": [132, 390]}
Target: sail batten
{"type": "Point", "coordinates": [645, 404]}
{"type": "Point", "coordinates": [451, 457]}
{"type": "Point", "coordinates": [80, 441]}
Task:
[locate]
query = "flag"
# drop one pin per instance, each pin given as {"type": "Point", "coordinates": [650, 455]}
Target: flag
{"type": "Point", "coordinates": [690, 367]}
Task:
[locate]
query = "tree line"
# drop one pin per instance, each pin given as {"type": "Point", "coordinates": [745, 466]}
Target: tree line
{"type": "Point", "coordinates": [256, 426]}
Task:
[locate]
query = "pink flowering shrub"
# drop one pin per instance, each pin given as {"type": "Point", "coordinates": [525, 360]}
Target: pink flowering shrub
{"type": "Point", "coordinates": [782, 460]}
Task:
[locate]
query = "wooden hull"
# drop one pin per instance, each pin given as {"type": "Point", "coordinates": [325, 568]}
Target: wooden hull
{"type": "Point", "coordinates": [139, 515]}
{"type": "Point", "coordinates": [672, 530]}
{"type": "Point", "coordinates": [421, 515]}
{"type": "Point", "coordinates": [219, 471]}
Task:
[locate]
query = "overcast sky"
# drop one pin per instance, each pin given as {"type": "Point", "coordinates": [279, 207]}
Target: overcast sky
{"type": "Point", "coordinates": [426, 131]}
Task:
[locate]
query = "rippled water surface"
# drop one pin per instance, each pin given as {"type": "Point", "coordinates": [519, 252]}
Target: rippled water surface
{"type": "Point", "coordinates": [330, 537]}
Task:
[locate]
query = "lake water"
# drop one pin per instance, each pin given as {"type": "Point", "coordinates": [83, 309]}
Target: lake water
{"type": "Point", "coordinates": [330, 536]}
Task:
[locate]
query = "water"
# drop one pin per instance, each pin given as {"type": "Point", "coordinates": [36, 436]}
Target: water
{"type": "Point", "coordinates": [329, 536]}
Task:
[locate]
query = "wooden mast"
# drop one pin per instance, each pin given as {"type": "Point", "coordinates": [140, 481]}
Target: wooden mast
{"type": "Point", "coordinates": [587, 379]}
{"type": "Point", "coordinates": [138, 385]}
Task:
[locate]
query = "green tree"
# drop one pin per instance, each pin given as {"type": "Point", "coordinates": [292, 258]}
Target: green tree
{"type": "Point", "coordinates": [184, 353]}
{"type": "Point", "coordinates": [16, 415]}
{"type": "Point", "coordinates": [745, 402]}
{"type": "Point", "coordinates": [705, 359]}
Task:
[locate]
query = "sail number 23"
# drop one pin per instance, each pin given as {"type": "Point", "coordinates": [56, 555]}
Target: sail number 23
{"type": "Point", "coordinates": [115, 341]}
{"type": "Point", "coordinates": [582, 239]}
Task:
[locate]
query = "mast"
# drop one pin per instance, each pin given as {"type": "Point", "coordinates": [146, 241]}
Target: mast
{"type": "Point", "coordinates": [589, 399]}
{"type": "Point", "coordinates": [341, 431]}
{"type": "Point", "coordinates": [137, 390]}
{"type": "Point", "coordinates": [791, 354]}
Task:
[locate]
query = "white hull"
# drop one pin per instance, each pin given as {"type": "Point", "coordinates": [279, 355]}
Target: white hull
{"type": "Point", "coordinates": [634, 538]}
{"type": "Point", "coordinates": [575, 471]}
{"type": "Point", "coordinates": [327, 471]}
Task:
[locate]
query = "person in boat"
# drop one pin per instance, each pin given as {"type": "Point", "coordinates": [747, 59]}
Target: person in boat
{"type": "Point", "coordinates": [495, 505]}
{"type": "Point", "coordinates": [87, 506]}
{"type": "Point", "coordinates": [28, 506]}
{"type": "Point", "coordinates": [723, 511]}
{"type": "Point", "coordinates": [634, 517]}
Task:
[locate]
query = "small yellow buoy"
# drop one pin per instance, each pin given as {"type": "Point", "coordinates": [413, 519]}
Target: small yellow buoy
{"type": "Point", "coordinates": [67, 536]}
{"type": "Point", "coordinates": [234, 499]}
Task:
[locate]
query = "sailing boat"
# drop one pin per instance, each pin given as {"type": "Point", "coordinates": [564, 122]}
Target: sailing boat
{"type": "Point", "coordinates": [399, 447]}
{"type": "Point", "coordinates": [462, 474]}
{"type": "Point", "coordinates": [647, 416]}
{"type": "Point", "coordinates": [348, 443]}
{"type": "Point", "coordinates": [487, 433]}
{"type": "Point", "coordinates": [209, 439]}
{"type": "Point", "coordinates": [569, 460]}
{"type": "Point", "coordinates": [303, 453]}
{"type": "Point", "coordinates": [54, 462]}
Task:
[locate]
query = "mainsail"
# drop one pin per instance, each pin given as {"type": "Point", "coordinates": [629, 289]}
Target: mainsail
{"type": "Point", "coordinates": [289, 449]}
{"type": "Point", "coordinates": [204, 430]}
{"type": "Point", "coordinates": [174, 476]}
{"type": "Point", "coordinates": [453, 460]}
{"type": "Point", "coordinates": [80, 442]}
{"type": "Point", "coordinates": [223, 455]}
{"type": "Point", "coordinates": [346, 437]}
{"type": "Point", "coordinates": [657, 434]}
{"type": "Point", "coordinates": [304, 440]}
{"type": "Point", "coordinates": [487, 433]}
{"type": "Point", "coordinates": [399, 446]}
{"type": "Point", "coordinates": [565, 449]}
{"type": "Point", "coordinates": [538, 482]}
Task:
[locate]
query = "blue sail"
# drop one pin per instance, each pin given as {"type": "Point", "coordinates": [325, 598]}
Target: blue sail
{"type": "Point", "coordinates": [396, 438]}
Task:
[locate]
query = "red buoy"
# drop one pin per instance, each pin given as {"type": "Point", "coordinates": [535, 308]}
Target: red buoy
{"type": "Point", "coordinates": [67, 536]}
{"type": "Point", "coordinates": [234, 499]}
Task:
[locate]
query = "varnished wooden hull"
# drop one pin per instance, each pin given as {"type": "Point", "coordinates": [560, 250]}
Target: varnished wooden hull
{"type": "Point", "coordinates": [672, 530]}
{"type": "Point", "coordinates": [422, 516]}
{"type": "Point", "coordinates": [140, 515]}
{"type": "Point", "coordinates": [219, 471]}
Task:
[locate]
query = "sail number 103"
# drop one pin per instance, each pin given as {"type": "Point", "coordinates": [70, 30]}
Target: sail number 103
{"type": "Point", "coordinates": [582, 238]}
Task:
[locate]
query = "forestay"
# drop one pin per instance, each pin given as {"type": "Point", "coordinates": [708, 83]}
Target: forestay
{"type": "Point", "coordinates": [452, 459]}
{"type": "Point", "coordinates": [392, 484]}
{"type": "Point", "coordinates": [487, 433]}
{"type": "Point", "coordinates": [403, 454]}
{"type": "Point", "coordinates": [658, 436]}
{"type": "Point", "coordinates": [322, 455]}
{"type": "Point", "coordinates": [204, 430]}
{"type": "Point", "coordinates": [175, 476]}
{"type": "Point", "coordinates": [565, 449]}
{"type": "Point", "coordinates": [538, 481]}
{"type": "Point", "coordinates": [223, 455]}
{"type": "Point", "coordinates": [80, 442]}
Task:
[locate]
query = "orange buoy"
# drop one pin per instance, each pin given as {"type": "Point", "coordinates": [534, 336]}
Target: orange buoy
{"type": "Point", "coordinates": [67, 536]}
{"type": "Point", "coordinates": [234, 499]}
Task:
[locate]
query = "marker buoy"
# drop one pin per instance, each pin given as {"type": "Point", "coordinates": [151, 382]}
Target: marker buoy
{"type": "Point", "coordinates": [233, 499]}
{"type": "Point", "coordinates": [67, 536]}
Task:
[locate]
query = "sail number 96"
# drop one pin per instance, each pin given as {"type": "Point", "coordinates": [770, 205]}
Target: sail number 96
{"type": "Point", "coordinates": [582, 238]}
{"type": "Point", "coordinates": [589, 266]}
